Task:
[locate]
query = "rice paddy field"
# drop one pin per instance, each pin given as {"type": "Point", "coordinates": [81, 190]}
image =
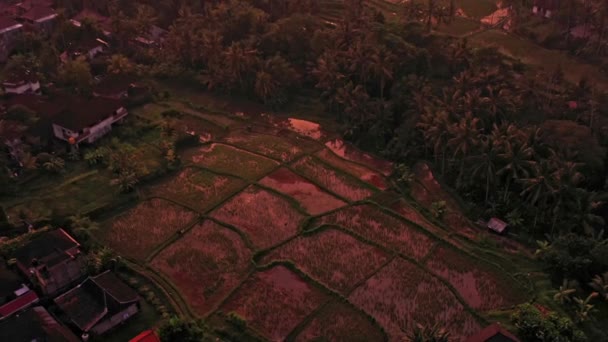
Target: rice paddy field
{"type": "Point", "coordinates": [300, 238]}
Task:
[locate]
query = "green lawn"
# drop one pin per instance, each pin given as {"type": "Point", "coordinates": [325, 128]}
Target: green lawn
{"type": "Point", "coordinates": [217, 119]}
{"type": "Point", "coordinates": [151, 111]}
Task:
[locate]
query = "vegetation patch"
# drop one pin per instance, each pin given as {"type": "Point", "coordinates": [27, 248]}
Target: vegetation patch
{"type": "Point", "coordinates": [402, 294]}
{"type": "Point", "coordinates": [349, 152]}
{"type": "Point", "coordinates": [482, 286]}
{"type": "Point", "coordinates": [138, 231]}
{"type": "Point", "coordinates": [311, 197]}
{"type": "Point", "coordinates": [220, 120]}
{"type": "Point", "coordinates": [337, 183]}
{"type": "Point", "coordinates": [375, 225]}
{"type": "Point", "coordinates": [359, 171]}
{"type": "Point", "coordinates": [332, 257]}
{"type": "Point", "coordinates": [227, 159]}
{"type": "Point", "coordinates": [269, 145]}
{"type": "Point", "coordinates": [200, 127]}
{"type": "Point", "coordinates": [274, 302]}
{"type": "Point", "coordinates": [199, 189]}
{"type": "Point", "coordinates": [205, 264]}
{"type": "Point", "coordinates": [151, 111]}
{"type": "Point", "coordinates": [267, 219]}
{"type": "Point", "coordinates": [340, 322]}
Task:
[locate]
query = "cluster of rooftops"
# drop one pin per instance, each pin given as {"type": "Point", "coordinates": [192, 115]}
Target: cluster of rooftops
{"type": "Point", "coordinates": [49, 268]}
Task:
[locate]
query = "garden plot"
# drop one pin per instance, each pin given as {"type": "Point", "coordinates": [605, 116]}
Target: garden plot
{"type": "Point", "coordinates": [341, 322]}
{"type": "Point", "coordinates": [482, 286]}
{"type": "Point", "coordinates": [230, 160]}
{"type": "Point", "coordinates": [311, 197]}
{"type": "Point", "coordinates": [335, 182]}
{"type": "Point", "coordinates": [377, 226]}
{"type": "Point", "coordinates": [266, 144]}
{"type": "Point", "coordinates": [359, 171]}
{"type": "Point", "coordinates": [274, 302]}
{"type": "Point", "coordinates": [332, 257]}
{"type": "Point", "coordinates": [138, 231]}
{"type": "Point", "coordinates": [205, 264]}
{"type": "Point", "coordinates": [349, 152]}
{"type": "Point", "coordinates": [266, 218]}
{"type": "Point", "coordinates": [196, 188]}
{"type": "Point", "coordinates": [402, 294]}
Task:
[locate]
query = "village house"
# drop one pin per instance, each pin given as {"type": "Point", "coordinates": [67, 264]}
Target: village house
{"type": "Point", "coordinates": [10, 31]}
{"type": "Point", "coordinates": [98, 304]}
{"type": "Point", "coordinates": [89, 48]}
{"type": "Point", "coordinates": [15, 296]}
{"type": "Point", "coordinates": [102, 22]}
{"type": "Point", "coordinates": [22, 82]}
{"type": "Point", "coordinates": [86, 120]}
{"type": "Point", "coordinates": [497, 225]}
{"type": "Point", "coordinates": [154, 39]}
{"type": "Point", "coordinates": [35, 324]}
{"type": "Point", "coordinates": [42, 18]}
{"type": "Point", "coordinates": [545, 8]}
{"type": "Point", "coordinates": [52, 261]}
{"type": "Point", "coordinates": [493, 333]}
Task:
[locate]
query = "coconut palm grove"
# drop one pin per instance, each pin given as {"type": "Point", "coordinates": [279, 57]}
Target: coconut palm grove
{"type": "Point", "coordinates": [303, 170]}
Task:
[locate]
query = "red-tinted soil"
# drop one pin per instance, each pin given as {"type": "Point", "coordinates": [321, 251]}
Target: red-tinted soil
{"type": "Point", "coordinates": [401, 295]}
{"type": "Point", "coordinates": [274, 302]}
{"type": "Point", "coordinates": [205, 264]}
{"type": "Point", "coordinates": [266, 218]}
{"type": "Point", "coordinates": [332, 257]}
{"type": "Point", "coordinates": [138, 231]}
{"type": "Point", "coordinates": [483, 286]}
{"type": "Point", "coordinates": [359, 171]}
{"type": "Point", "coordinates": [348, 151]}
{"type": "Point", "coordinates": [339, 322]}
{"type": "Point", "coordinates": [311, 197]}
{"type": "Point", "coordinates": [340, 184]}
{"type": "Point", "coordinates": [373, 224]}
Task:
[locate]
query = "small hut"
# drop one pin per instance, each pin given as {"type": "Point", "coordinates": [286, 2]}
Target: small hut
{"type": "Point", "coordinates": [497, 225]}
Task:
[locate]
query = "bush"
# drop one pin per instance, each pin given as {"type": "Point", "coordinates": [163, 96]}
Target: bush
{"type": "Point", "coordinates": [532, 326]}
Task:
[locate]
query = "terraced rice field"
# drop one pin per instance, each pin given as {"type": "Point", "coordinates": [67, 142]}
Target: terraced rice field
{"type": "Point", "coordinates": [269, 145]}
{"type": "Point", "coordinates": [138, 231]}
{"type": "Point", "coordinates": [373, 224]}
{"type": "Point", "coordinates": [312, 198]}
{"type": "Point", "coordinates": [336, 182]}
{"type": "Point", "coordinates": [371, 177]}
{"type": "Point", "coordinates": [205, 264]}
{"type": "Point", "coordinates": [402, 294]}
{"type": "Point", "coordinates": [349, 152]}
{"type": "Point", "coordinates": [275, 301]}
{"type": "Point", "coordinates": [266, 218]}
{"type": "Point", "coordinates": [230, 160]}
{"type": "Point", "coordinates": [196, 188]}
{"type": "Point", "coordinates": [332, 257]}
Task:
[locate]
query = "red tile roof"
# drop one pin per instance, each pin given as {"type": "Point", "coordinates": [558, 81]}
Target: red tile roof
{"type": "Point", "coordinates": [6, 23]}
{"type": "Point", "coordinates": [146, 336]}
{"type": "Point", "coordinates": [493, 331]}
{"type": "Point", "coordinates": [18, 304]}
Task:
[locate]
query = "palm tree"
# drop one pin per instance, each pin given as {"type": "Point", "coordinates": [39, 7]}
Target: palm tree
{"type": "Point", "coordinates": [54, 165]}
{"type": "Point", "coordinates": [584, 308]}
{"type": "Point", "coordinates": [565, 292]}
{"type": "Point", "coordinates": [381, 64]}
{"type": "Point", "coordinates": [517, 165]}
{"type": "Point", "coordinates": [600, 284]}
{"type": "Point", "coordinates": [484, 164]}
{"type": "Point", "coordinates": [580, 208]}
{"type": "Point", "coordinates": [464, 139]}
{"type": "Point", "coordinates": [434, 126]}
{"type": "Point", "coordinates": [540, 187]}
{"type": "Point", "coordinates": [239, 58]}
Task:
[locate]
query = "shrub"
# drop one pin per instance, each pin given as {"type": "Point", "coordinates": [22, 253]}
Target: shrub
{"type": "Point", "coordinates": [532, 326]}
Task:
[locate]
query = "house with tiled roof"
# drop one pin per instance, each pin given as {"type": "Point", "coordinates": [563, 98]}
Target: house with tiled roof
{"type": "Point", "coordinates": [102, 22]}
{"type": "Point", "coordinates": [86, 120]}
{"type": "Point", "coordinates": [493, 333]}
{"type": "Point", "coordinates": [51, 261]}
{"type": "Point", "coordinates": [88, 48]}
{"type": "Point", "coordinates": [15, 296]}
{"type": "Point", "coordinates": [42, 18]}
{"type": "Point", "coordinates": [98, 304]}
{"type": "Point", "coordinates": [21, 82]}
{"type": "Point", "coordinates": [35, 324]}
{"type": "Point", "coordinates": [10, 31]}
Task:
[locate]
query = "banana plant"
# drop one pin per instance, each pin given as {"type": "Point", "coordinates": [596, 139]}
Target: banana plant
{"type": "Point", "coordinates": [565, 292]}
{"type": "Point", "coordinates": [584, 308]}
{"type": "Point", "coordinates": [600, 284]}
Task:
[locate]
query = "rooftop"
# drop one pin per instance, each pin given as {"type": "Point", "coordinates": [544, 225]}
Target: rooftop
{"type": "Point", "coordinates": [80, 113]}
{"type": "Point", "coordinates": [35, 324]}
{"type": "Point", "coordinates": [8, 24]}
{"type": "Point", "coordinates": [39, 14]}
{"type": "Point", "coordinates": [89, 302]}
{"type": "Point", "coordinates": [146, 336]}
{"type": "Point", "coordinates": [49, 248]}
{"type": "Point", "coordinates": [493, 333]}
